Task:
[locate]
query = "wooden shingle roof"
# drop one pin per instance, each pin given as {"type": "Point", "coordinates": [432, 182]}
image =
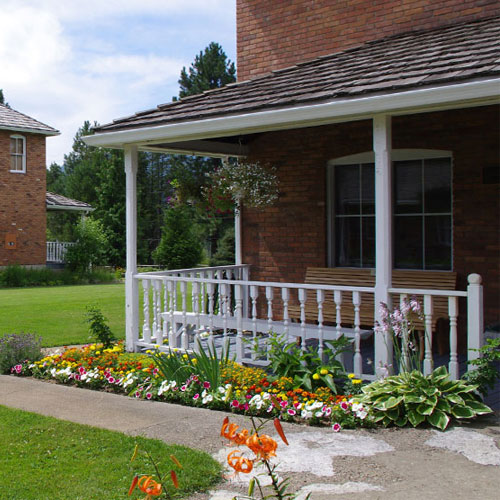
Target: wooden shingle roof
{"type": "Point", "coordinates": [455, 54]}
{"type": "Point", "coordinates": [55, 201]}
{"type": "Point", "coordinates": [10, 119]}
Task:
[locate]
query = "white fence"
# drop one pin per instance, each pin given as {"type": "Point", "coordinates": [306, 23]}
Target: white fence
{"type": "Point", "coordinates": [220, 303]}
{"type": "Point", "coordinates": [56, 251]}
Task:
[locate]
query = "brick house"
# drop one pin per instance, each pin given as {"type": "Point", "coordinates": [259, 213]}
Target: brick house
{"type": "Point", "coordinates": [382, 119]}
{"type": "Point", "coordinates": [22, 188]}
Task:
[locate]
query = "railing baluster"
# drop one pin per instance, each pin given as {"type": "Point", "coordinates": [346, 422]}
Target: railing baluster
{"type": "Point", "coordinates": [285, 296]}
{"type": "Point", "coordinates": [405, 354]}
{"type": "Point", "coordinates": [184, 335]}
{"type": "Point", "coordinates": [269, 298]}
{"type": "Point", "coordinates": [453, 313]}
{"type": "Point", "coordinates": [302, 301]}
{"type": "Point", "coordinates": [428, 361]}
{"type": "Point", "coordinates": [172, 288]}
{"type": "Point", "coordinates": [164, 338]}
{"type": "Point", "coordinates": [156, 317]}
{"type": "Point", "coordinates": [254, 292]}
{"type": "Point", "coordinates": [239, 322]}
{"type": "Point", "coordinates": [146, 331]}
{"type": "Point", "coordinates": [337, 298]}
{"type": "Point", "coordinates": [358, 361]}
{"type": "Point", "coordinates": [195, 290]}
{"type": "Point", "coordinates": [218, 275]}
{"type": "Point", "coordinates": [211, 292]}
{"type": "Point", "coordinates": [320, 298]}
{"type": "Point", "coordinates": [223, 295]}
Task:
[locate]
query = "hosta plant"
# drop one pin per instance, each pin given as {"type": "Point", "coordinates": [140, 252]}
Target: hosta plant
{"type": "Point", "coordinates": [412, 398]}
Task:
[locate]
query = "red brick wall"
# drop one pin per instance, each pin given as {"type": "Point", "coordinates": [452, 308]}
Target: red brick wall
{"type": "Point", "coordinates": [279, 33]}
{"type": "Point", "coordinates": [22, 202]}
{"type": "Point", "coordinates": [282, 241]}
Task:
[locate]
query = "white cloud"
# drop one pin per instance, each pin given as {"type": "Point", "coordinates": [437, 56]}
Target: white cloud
{"type": "Point", "coordinates": [63, 62]}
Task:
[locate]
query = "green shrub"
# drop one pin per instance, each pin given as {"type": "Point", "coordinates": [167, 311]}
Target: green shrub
{"type": "Point", "coordinates": [90, 246]}
{"type": "Point", "coordinates": [98, 329]}
{"type": "Point", "coordinates": [488, 367]}
{"type": "Point", "coordinates": [413, 398]}
{"type": "Point", "coordinates": [18, 276]}
{"type": "Point", "coordinates": [307, 369]}
{"type": "Point", "coordinates": [16, 348]}
{"type": "Point", "coordinates": [179, 246]}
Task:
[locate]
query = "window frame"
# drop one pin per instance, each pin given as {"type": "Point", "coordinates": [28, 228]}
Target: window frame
{"type": "Point", "coordinates": [369, 157]}
{"type": "Point", "coordinates": [23, 155]}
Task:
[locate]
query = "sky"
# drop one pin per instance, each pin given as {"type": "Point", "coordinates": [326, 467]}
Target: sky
{"type": "Point", "coordinates": [66, 61]}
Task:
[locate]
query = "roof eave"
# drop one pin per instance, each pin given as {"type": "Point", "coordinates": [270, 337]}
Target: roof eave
{"type": "Point", "coordinates": [64, 207]}
{"type": "Point", "coordinates": [28, 130]}
{"type": "Point", "coordinates": [396, 103]}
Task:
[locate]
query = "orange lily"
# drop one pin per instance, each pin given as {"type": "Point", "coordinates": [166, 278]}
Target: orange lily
{"type": "Point", "coordinates": [263, 446]}
{"type": "Point", "coordinates": [279, 430]}
{"type": "Point", "coordinates": [239, 463]}
{"type": "Point", "coordinates": [149, 486]}
{"type": "Point", "coordinates": [229, 430]}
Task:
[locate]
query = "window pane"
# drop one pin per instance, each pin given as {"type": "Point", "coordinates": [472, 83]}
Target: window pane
{"type": "Point", "coordinates": [437, 180]}
{"type": "Point", "coordinates": [13, 145]}
{"type": "Point", "coordinates": [347, 242]}
{"type": "Point", "coordinates": [347, 189]}
{"type": "Point", "coordinates": [368, 189]}
{"type": "Point", "coordinates": [368, 241]}
{"type": "Point", "coordinates": [13, 163]}
{"type": "Point", "coordinates": [408, 187]}
{"type": "Point", "coordinates": [408, 242]}
{"type": "Point", "coordinates": [438, 242]}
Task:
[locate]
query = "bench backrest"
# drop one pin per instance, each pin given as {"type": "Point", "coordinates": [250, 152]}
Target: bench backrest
{"type": "Point", "coordinates": [431, 280]}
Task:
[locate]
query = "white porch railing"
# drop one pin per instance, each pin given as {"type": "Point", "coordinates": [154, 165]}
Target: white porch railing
{"type": "Point", "coordinates": [220, 304]}
{"type": "Point", "coordinates": [56, 250]}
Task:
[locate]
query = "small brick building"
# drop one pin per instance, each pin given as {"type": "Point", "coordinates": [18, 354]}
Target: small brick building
{"type": "Point", "coordinates": [22, 188]}
{"type": "Point", "coordinates": [382, 119]}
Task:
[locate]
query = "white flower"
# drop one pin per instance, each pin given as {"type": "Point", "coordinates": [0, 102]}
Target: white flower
{"type": "Point", "coordinates": [306, 414]}
{"type": "Point", "coordinates": [207, 399]}
{"type": "Point", "coordinates": [361, 414]}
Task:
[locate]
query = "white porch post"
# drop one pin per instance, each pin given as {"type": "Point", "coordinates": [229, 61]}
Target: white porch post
{"type": "Point", "coordinates": [237, 234]}
{"type": "Point", "coordinates": [382, 143]}
{"type": "Point", "coordinates": [131, 285]}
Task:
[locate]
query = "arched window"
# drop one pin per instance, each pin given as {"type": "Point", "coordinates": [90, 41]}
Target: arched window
{"type": "Point", "coordinates": [422, 210]}
{"type": "Point", "coordinates": [17, 154]}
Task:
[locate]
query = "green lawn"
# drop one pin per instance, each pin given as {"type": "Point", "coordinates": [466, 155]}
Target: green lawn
{"type": "Point", "coordinates": [57, 313]}
{"type": "Point", "coordinates": [44, 458]}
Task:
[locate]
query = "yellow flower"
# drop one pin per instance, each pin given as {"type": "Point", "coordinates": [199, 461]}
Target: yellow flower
{"type": "Point", "coordinates": [356, 381]}
{"type": "Point", "coordinates": [324, 371]}
{"type": "Point", "coordinates": [316, 376]}
{"type": "Point", "coordinates": [185, 356]}
{"type": "Point", "coordinates": [194, 361]}
{"type": "Point", "coordinates": [351, 375]}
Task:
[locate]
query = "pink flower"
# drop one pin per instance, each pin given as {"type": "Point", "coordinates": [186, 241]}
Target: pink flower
{"type": "Point", "coordinates": [137, 394]}
{"type": "Point", "coordinates": [76, 376]}
{"type": "Point", "coordinates": [235, 403]}
{"type": "Point", "coordinates": [344, 405]}
{"type": "Point", "coordinates": [155, 371]}
{"type": "Point", "coordinates": [183, 388]}
{"type": "Point", "coordinates": [336, 427]}
{"type": "Point", "coordinates": [206, 385]}
{"type": "Point", "coordinates": [196, 396]}
{"type": "Point", "coordinates": [291, 412]}
{"type": "Point", "coordinates": [111, 380]}
{"type": "Point", "coordinates": [284, 404]}
{"type": "Point", "coordinates": [18, 368]}
{"type": "Point", "coordinates": [149, 395]}
{"type": "Point", "coordinates": [327, 411]}
{"type": "Point", "coordinates": [244, 406]}
{"type": "Point", "coordinates": [81, 370]}
{"type": "Point", "coordinates": [296, 405]}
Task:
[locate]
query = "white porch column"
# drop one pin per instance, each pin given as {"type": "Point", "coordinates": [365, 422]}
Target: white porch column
{"type": "Point", "coordinates": [382, 144]}
{"type": "Point", "coordinates": [237, 235]}
{"type": "Point", "coordinates": [131, 285]}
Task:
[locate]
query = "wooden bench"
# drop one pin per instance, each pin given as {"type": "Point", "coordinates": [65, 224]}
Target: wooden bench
{"type": "Point", "coordinates": [341, 276]}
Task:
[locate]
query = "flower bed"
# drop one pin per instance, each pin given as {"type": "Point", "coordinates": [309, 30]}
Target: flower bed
{"type": "Point", "coordinates": [243, 389]}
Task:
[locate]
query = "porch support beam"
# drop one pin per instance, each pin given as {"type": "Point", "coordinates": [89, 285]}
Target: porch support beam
{"type": "Point", "coordinates": [382, 144]}
{"type": "Point", "coordinates": [131, 284]}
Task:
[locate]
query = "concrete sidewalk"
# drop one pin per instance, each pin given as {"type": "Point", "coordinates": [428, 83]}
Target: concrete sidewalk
{"type": "Point", "coordinates": [463, 462]}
